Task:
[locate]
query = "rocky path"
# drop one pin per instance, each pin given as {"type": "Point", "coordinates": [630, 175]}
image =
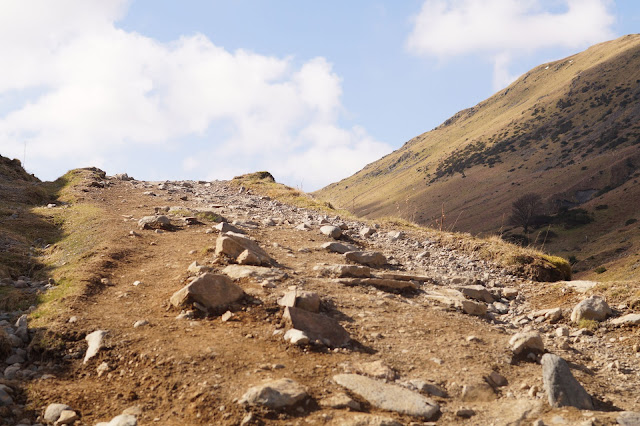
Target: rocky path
{"type": "Point", "coordinates": [213, 305]}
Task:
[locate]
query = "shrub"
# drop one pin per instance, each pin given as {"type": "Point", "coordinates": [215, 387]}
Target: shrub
{"type": "Point", "coordinates": [630, 222]}
{"type": "Point", "coordinates": [591, 325]}
{"type": "Point", "coordinates": [600, 270]}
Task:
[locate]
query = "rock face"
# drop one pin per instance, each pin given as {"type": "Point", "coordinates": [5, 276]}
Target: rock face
{"type": "Point", "coordinates": [593, 308]}
{"type": "Point", "coordinates": [561, 387]}
{"type": "Point", "coordinates": [276, 394]}
{"type": "Point", "coordinates": [317, 327]}
{"type": "Point", "coordinates": [213, 291]}
{"type": "Point", "coordinates": [387, 396]}
{"type": "Point", "coordinates": [242, 249]}
{"type": "Point", "coordinates": [370, 258]}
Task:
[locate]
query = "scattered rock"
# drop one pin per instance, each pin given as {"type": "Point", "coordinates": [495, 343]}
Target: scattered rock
{"type": "Point", "coordinates": [339, 247]}
{"type": "Point", "coordinates": [258, 272]}
{"type": "Point", "coordinates": [155, 222]}
{"type": "Point", "coordinates": [121, 420]}
{"type": "Point", "coordinates": [317, 327]}
{"type": "Point", "coordinates": [306, 300]}
{"type": "Point", "coordinates": [365, 420]}
{"type": "Point", "coordinates": [213, 291]}
{"type": "Point", "coordinates": [366, 232]}
{"type": "Point", "coordinates": [370, 258]}
{"type": "Point", "coordinates": [53, 411]}
{"type": "Point", "coordinates": [340, 401]}
{"type": "Point", "coordinates": [387, 396]}
{"type": "Point", "coordinates": [331, 231]}
{"type": "Point", "coordinates": [277, 394]}
{"type": "Point", "coordinates": [480, 392]}
{"type": "Point", "coordinates": [561, 387]}
{"type": "Point", "coordinates": [234, 245]}
{"type": "Point", "coordinates": [95, 343]}
{"type": "Point", "coordinates": [465, 413]}
{"type": "Point", "coordinates": [528, 342]}
{"type": "Point", "coordinates": [197, 269]}
{"type": "Point", "coordinates": [5, 398]}
{"type": "Point", "coordinates": [471, 307]}
{"type": "Point", "coordinates": [496, 379]}
{"type": "Point", "coordinates": [429, 388]}
{"type": "Point", "coordinates": [226, 227]}
{"type": "Point", "coordinates": [67, 417]}
{"type": "Point", "coordinates": [629, 319]}
{"type": "Point", "coordinates": [377, 369]}
{"type": "Point", "coordinates": [477, 292]}
{"type": "Point", "coordinates": [339, 271]}
{"type": "Point", "coordinates": [296, 337]}
{"type": "Point", "coordinates": [593, 308]}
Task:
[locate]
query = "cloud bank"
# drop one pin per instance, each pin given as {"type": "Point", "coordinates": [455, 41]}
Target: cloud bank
{"type": "Point", "coordinates": [503, 29]}
{"type": "Point", "coordinates": [81, 91]}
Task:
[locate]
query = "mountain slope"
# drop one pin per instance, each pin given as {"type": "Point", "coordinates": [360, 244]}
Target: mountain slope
{"type": "Point", "coordinates": [567, 130]}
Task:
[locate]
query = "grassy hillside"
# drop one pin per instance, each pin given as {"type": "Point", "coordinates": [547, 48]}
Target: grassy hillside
{"type": "Point", "coordinates": [567, 130]}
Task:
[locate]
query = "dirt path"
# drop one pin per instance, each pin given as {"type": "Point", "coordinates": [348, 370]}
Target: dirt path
{"type": "Point", "coordinates": [193, 371]}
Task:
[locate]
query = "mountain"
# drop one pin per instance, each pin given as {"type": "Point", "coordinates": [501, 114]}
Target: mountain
{"type": "Point", "coordinates": [567, 130]}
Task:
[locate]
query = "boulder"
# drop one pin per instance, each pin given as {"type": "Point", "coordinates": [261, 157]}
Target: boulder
{"type": "Point", "coordinates": [234, 245]}
{"type": "Point", "coordinates": [213, 291]}
{"type": "Point", "coordinates": [388, 396]}
{"type": "Point", "coordinates": [562, 388]}
{"type": "Point", "coordinates": [276, 394]}
{"type": "Point", "coordinates": [331, 231]}
{"type": "Point", "coordinates": [318, 327]}
{"type": "Point", "coordinates": [369, 258]}
{"type": "Point", "coordinates": [53, 411]}
{"type": "Point", "coordinates": [593, 308]}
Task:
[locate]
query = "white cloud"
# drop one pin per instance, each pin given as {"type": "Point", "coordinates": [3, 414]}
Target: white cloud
{"type": "Point", "coordinates": [97, 91]}
{"type": "Point", "coordinates": [503, 28]}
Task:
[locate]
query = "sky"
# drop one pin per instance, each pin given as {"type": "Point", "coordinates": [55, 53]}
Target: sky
{"type": "Point", "coordinates": [310, 91]}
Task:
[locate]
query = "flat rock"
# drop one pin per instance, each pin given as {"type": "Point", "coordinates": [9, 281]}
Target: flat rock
{"type": "Point", "coordinates": [523, 343]}
{"type": "Point", "coordinates": [340, 271]}
{"type": "Point", "coordinates": [306, 300]}
{"type": "Point", "coordinates": [369, 258]}
{"type": "Point", "coordinates": [318, 327]}
{"type": "Point", "coordinates": [388, 396]}
{"type": "Point", "coordinates": [155, 222]}
{"type": "Point", "coordinates": [365, 420]}
{"type": "Point", "coordinates": [382, 283]}
{"type": "Point", "coordinates": [213, 291]}
{"type": "Point", "coordinates": [331, 231]}
{"type": "Point", "coordinates": [258, 272]}
{"type": "Point", "coordinates": [477, 292]}
{"type": "Point", "coordinates": [562, 388]}
{"type": "Point", "coordinates": [593, 308]}
{"type": "Point", "coordinates": [276, 394]}
{"type": "Point", "coordinates": [629, 319]}
{"type": "Point", "coordinates": [341, 248]}
{"type": "Point", "coordinates": [95, 343]}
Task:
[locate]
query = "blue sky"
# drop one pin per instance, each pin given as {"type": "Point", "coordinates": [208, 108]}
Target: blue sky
{"type": "Point", "coordinates": [311, 91]}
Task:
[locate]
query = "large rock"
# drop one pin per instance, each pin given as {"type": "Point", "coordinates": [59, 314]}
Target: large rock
{"type": "Point", "coordinates": [370, 258]}
{"type": "Point", "coordinates": [629, 319]}
{"type": "Point", "coordinates": [339, 271]}
{"type": "Point", "coordinates": [53, 411]}
{"type": "Point", "coordinates": [339, 247]}
{"type": "Point", "coordinates": [95, 344]}
{"type": "Point", "coordinates": [318, 327]}
{"type": "Point", "coordinates": [235, 245]}
{"type": "Point", "coordinates": [331, 231]}
{"type": "Point", "coordinates": [155, 222]}
{"type": "Point", "coordinates": [528, 342]}
{"type": "Point", "coordinates": [562, 388]}
{"type": "Point", "coordinates": [275, 394]}
{"type": "Point", "coordinates": [306, 300]}
{"type": "Point", "coordinates": [213, 291]}
{"type": "Point", "coordinates": [593, 308]}
{"type": "Point", "coordinates": [388, 397]}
